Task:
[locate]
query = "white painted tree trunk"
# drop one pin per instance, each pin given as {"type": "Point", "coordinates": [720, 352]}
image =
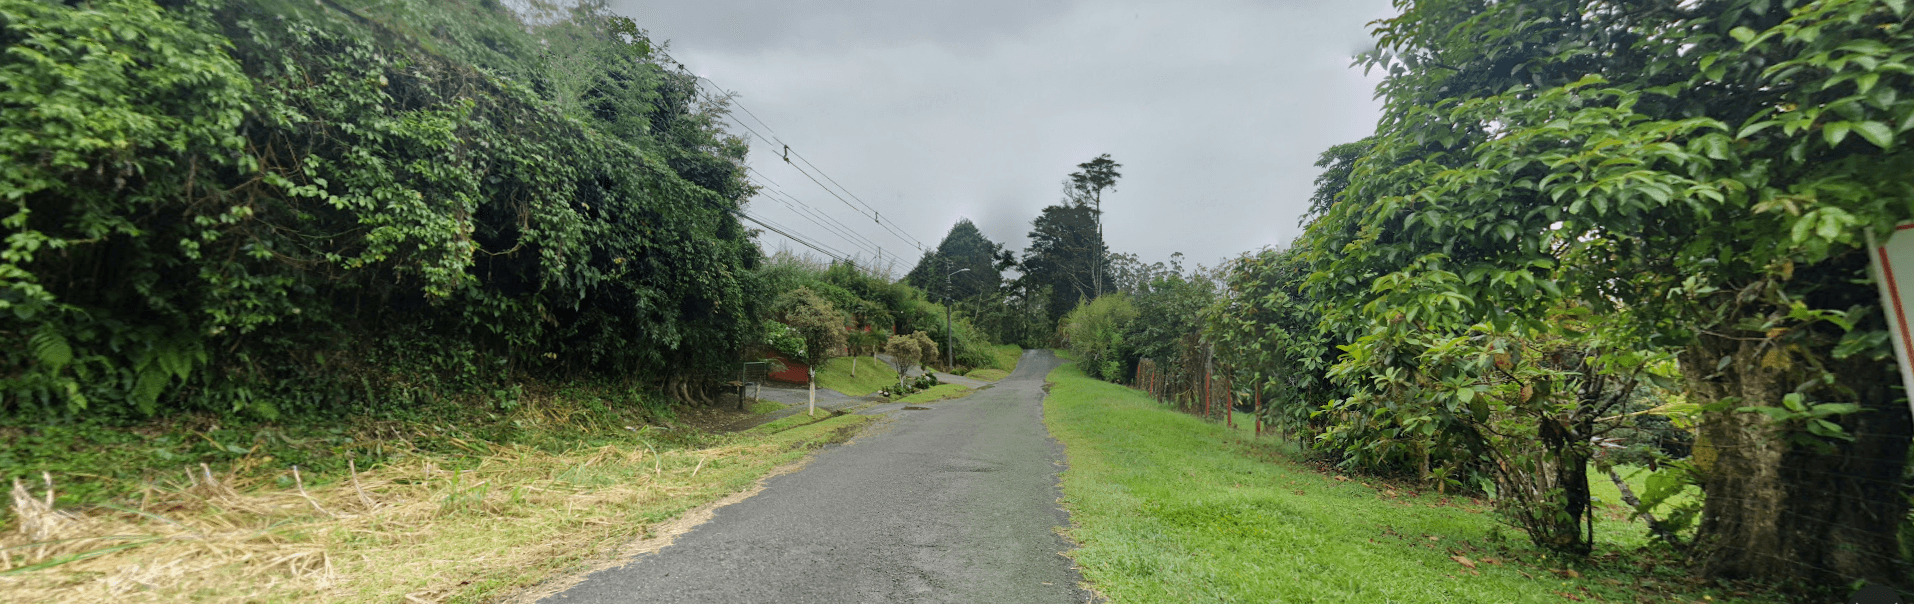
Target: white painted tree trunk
{"type": "Point", "coordinates": [813, 410]}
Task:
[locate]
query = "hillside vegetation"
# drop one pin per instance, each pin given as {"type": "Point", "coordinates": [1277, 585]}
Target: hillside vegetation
{"type": "Point", "coordinates": [1169, 508]}
{"type": "Point", "coordinates": [248, 236]}
{"type": "Point", "coordinates": [1586, 235]}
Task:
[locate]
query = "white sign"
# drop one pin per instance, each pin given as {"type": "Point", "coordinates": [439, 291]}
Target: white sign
{"type": "Point", "coordinates": [1893, 264]}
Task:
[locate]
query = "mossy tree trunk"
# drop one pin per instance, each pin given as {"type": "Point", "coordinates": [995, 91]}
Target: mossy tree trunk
{"type": "Point", "coordinates": [1784, 504]}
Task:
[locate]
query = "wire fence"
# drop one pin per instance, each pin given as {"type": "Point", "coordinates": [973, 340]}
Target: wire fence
{"type": "Point", "coordinates": [1198, 389]}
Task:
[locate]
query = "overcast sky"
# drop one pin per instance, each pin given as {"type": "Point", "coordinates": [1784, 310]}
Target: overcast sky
{"type": "Point", "coordinates": [932, 112]}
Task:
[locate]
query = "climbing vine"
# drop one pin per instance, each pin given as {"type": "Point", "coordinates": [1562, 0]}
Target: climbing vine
{"type": "Point", "coordinates": [254, 206]}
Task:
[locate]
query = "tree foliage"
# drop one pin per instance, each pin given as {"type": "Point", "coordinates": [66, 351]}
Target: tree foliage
{"type": "Point", "coordinates": [817, 322]}
{"type": "Point", "coordinates": [244, 205]}
{"type": "Point", "coordinates": [1063, 257]}
{"type": "Point", "coordinates": [927, 348]}
{"type": "Point", "coordinates": [1266, 326]}
{"type": "Point", "coordinates": [1563, 191]}
{"type": "Point", "coordinates": [966, 249]}
{"type": "Point", "coordinates": [907, 351]}
{"type": "Point", "coordinates": [1095, 333]}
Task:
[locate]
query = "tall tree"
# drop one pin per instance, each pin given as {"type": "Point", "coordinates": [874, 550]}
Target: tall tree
{"type": "Point", "coordinates": [1062, 257]}
{"type": "Point", "coordinates": [964, 247]}
{"type": "Point", "coordinates": [1088, 182]}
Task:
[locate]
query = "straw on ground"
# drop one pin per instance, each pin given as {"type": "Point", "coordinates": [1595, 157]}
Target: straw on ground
{"type": "Point", "coordinates": [412, 530]}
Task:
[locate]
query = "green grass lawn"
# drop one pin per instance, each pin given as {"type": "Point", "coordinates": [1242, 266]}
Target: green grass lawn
{"type": "Point", "coordinates": [1005, 356]}
{"type": "Point", "coordinates": [872, 375]}
{"type": "Point", "coordinates": [791, 421]}
{"type": "Point", "coordinates": [936, 393]}
{"type": "Point", "coordinates": [988, 375]}
{"type": "Point", "coordinates": [1167, 507]}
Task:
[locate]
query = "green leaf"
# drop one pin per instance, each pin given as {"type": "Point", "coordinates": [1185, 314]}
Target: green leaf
{"type": "Point", "coordinates": [1827, 409]}
{"type": "Point", "coordinates": [1714, 146]}
{"type": "Point", "coordinates": [147, 388]}
{"type": "Point", "coordinates": [174, 362]}
{"type": "Point", "coordinates": [1741, 34]}
{"type": "Point", "coordinates": [1866, 81]}
{"type": "Point", "coordinates": [51, 349]}
{"type": "Point", "coordinates": [1822, 427]}
{"type": "Point", "coordinates": [1753, 128]}
{"type": "Point", "coordinates": [1793, 402]}
{"type": "Point", "coordinates": [1876, 132]}
{"type": "Point", "coordinates": [1835, 132]}
{"type": "Point", "coordinates": [1829, 228]}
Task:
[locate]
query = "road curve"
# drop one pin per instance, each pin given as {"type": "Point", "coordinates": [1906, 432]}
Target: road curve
{"type": "Point", "coordinates": [953, 504]}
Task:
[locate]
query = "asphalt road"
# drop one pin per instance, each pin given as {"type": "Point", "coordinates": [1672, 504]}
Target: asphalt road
{"type": "Point", "coordinates": [953, 504]}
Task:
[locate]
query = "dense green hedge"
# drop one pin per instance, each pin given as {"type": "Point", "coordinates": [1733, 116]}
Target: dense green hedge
{"type": "Point", "coordinates": [260, 206]}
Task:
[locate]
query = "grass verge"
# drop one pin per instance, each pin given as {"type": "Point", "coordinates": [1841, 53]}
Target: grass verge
{"type": "Point", "coordinates": [1004, 357]}
{"type": "Point", "coordinates": [419, 528]}
{"type": "Point", "coordinates": [936, 393]}
{"type": "Point", "coordinates": [872, 375]}
{"type": "Point", "coordinates": [988, 375]}
{"type": "Point", "coordinates": [1167, 507]}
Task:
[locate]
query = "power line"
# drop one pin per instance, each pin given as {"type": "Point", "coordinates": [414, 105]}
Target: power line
{"type": "Point", "coordinates": [838, 256]}
{"type": "Point", "coordinates": [761, 175]}
{"type": "Point", "coordinates": [875, 215]}
{"type": "Point", "coordinates": [820, 171]}
{"type": "Point", "coordinates": [776, 188]}
{"type": "Point", "coordinates": [892, 227]}
{"type": "Point", "coordinates": [788, 232]}
{"type": "Point", "coordinates": [895, 229]}
{"type": "Point", "coordinates": [813, 214]}
{"type": "Point", "coordinates": [826, 227]}
{"type": "Point", "coordinates": [754, 117]}
{"type": "Point", "coordinates": [785, 231]}
{"type": "Point", "coordinates": [871, 244]}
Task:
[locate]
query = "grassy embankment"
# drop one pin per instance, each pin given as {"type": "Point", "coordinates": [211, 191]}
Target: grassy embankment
{"type": "Point", "coordinates": [872, 375]}
{"type": "Point", "coordinates": [423, 526]}
{"type": "Point", "coordinates": [937, 393]}
{"type": "Point", "coordinates": [1004, 359]}
{"type": "Point", "coordinates": [988, 375]}
{"type": "Point", "coordinates": [1167, 507]}
{"type": "Point", "coordinates": [1631, 533]}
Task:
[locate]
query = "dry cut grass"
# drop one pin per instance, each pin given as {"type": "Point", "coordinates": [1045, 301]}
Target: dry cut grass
{"type": "Point", "coordinates": [411, 531]}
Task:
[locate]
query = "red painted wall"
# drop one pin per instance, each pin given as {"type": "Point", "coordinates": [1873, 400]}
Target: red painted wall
{"type": "Point", "coordinates": [794, 372]}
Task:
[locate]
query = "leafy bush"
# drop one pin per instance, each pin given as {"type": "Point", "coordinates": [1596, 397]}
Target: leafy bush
{"type": "Point", "coordinates": [1095, 333]}
{"type": "Point", "coordinates": [905, 351]}
{"type": "Point", "coordinates": [255, 206]}
{"type": "Point", "coordinates": [927, 349]}
{"type": "Point", "coordinates": [784, 338]}
{"type": "Point", "coordinates": [817, 323]}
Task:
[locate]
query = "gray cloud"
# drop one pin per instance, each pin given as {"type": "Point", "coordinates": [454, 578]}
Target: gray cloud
{"type": "Point", "coordinates": [932, 112]}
